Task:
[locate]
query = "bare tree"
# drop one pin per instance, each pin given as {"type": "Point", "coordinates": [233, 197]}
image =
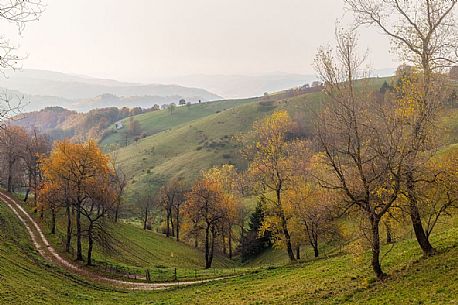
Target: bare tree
{"type": "Point", "coordinates": [120, 183]}
{"type": "Point", "coordinates": [176, 207]}
{"type": "Point", "coordinates": [37, 146]}
{"type": "Point", "coordinates": [12, 145]}
{"type": "Point", "coordinates": [147, 202]}
{"type": "Point", "coordinates": [363, 168]}
{"type": "Point", "coordinates": [425, 34]}
{"type": "Point", "coordinates": [422, 32]}
{"type": "Point", "coordinates": [19, 13]}
{"type": "Point", "coordinates": [171, 199]}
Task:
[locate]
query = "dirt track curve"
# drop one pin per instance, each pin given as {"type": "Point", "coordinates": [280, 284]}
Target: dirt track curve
{"type": "Point", "coordinates": [49, 253]}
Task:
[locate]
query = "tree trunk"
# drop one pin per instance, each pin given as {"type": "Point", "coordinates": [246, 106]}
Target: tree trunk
{"type": "Point", "coordinates": [116, 212]}
{"type": "Point", "coordinates": [316, 252]}
{"type": "Point", "coordinates": [298, 252]}
{"type": "Point", "coordinates": [178, 225]}
{"type": "Point", "coordinates": [26, 197]}
{"type": "Point", "coordinates": [223, 240]}
{"type": "Point", "coordinates": [167, 233]}
{"type": "Point", "coordinates": [10, 184]}
{"type": "Point", "coordinates": [376, 247]}
{"type": "Point", "coordinates": [420, 234]}
{"type": "Point", "coordinates": [212, 248]}
{"type": "Point", "coordinates": [145, 219]}
{"type": "Point", "coordinates": [315, 243]}
{"type": "Point", "coordinates": [53, 221]}
{"type": "Point", "coordinates": [289, 247]}
{"type": "Point", "coordinates": [69, 229]}
{"type": "Point", "coordinates": [172, 224]}
{"type": "Point", "coordinates": [35, 187]}
{"type": "Point", "coordinates": [79, 248]}
{"type": "Point", "coordinates": [207, 247]}
{"type": "Point", "coordinates": [230, 242]}
{"type": "Point", "coordinates": [415, 217]}
{"type": "Point", "coordinates": [10, 177]}
{"type": "Point", "coordinates": [90, 233]}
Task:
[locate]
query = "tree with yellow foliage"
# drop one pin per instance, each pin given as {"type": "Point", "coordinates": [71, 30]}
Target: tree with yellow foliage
{"type": "Point", "coordinates": [313, 208]}
{"type": "Point", "coordinates": [274, 162]}
{"type": "Point", "coordinates": [51, 197]}
{"type": "Point", "coordinates": [230, 182]}
{"type": "Point", "coordinates": [438, 195]}
{"type": "Point", "coordinates": [416, 108]}
{"type": "Point", "coordinates": [82, 175]}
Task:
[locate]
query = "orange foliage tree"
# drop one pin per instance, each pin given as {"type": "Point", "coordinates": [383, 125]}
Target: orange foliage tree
{"type": "Point", "coordinates": [80, 176]}
{"type": "Point", "coordinates": [209, 206]}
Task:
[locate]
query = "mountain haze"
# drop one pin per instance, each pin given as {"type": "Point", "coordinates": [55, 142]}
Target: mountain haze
{"type": "Point", "coordinates": [40, 88]}
{"type": "Point", "coordinates": [243, 86]}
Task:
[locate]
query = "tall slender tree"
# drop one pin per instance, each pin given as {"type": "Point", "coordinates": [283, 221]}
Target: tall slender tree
{"type": "Point", "coordinates": [359, 144]}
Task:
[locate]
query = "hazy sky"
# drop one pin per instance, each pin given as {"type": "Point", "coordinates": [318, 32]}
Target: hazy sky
{"type": "Point", "coordinates": [144, 40]}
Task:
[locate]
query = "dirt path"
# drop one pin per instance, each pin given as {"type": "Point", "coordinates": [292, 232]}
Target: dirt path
{"type": "Point", "coordinates": [49, 253]}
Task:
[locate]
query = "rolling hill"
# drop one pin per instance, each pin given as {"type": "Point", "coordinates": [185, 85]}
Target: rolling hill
{"type": "Point", "coordinates": [184, 150]}
{"type": "Point", "coordinates": [183, 143]}
{"type": "Point", "coordinates": [192, 139]}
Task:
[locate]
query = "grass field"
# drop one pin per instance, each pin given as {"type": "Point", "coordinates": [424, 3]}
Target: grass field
{"type": "Point", "coordinates": [342, 279]}
{"type": "Point", "coordinates": [157, 121]}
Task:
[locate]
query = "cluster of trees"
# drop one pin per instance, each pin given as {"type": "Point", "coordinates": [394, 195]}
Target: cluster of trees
{"type": "Point", "coordinates": [61, 123]}
{"type": "Point", "coordinates": [20, 152]}
{"type": "Point", "coordinates": [279, 171]}
{"type": "Point", "coordinates": [84, 186]}
{"type": "Point", "coordinates": [94, 124]}
{"type": "Point", "coordinates": [367, 160]}
{"type": "Point", "coordinates": [205, 214]}
{"type": "Point", "coordinates": [212, 207]}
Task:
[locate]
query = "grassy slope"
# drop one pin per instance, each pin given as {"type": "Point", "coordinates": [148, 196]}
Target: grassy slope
{"type": "Point", "coordinates": [185, 150]}
{"type": "Point", "coordinates": [158, 121]}
{"type": "Point", "coordinates": [135, 250]}
{"type": "Point", "coordinates": [27, 279]}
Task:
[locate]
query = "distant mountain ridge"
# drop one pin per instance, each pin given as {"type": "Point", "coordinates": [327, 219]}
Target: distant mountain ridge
{"type": "Point", "coordinates": [243, 86]}
{"type": "Point", "coordinates": [46, 88]}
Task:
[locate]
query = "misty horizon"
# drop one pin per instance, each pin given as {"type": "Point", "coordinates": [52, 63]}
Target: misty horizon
{"type": "Point", "coordinates": [157, 41]}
